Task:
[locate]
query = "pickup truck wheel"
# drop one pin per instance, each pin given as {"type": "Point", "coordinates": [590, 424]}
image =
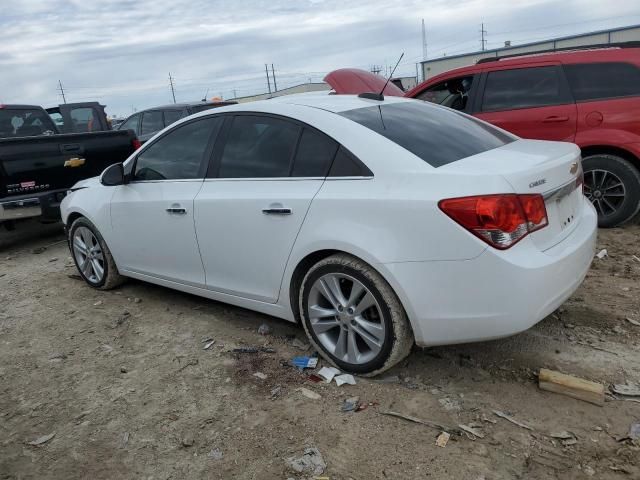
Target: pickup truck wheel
{"type": "Point", "coordinates": [612, 184]}
{"type": "Point", "coordinates": [353, 317]}
{"type": "Point", "coordinates": [92, 256]}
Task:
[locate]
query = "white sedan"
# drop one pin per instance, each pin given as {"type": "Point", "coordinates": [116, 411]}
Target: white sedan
{"type": "Point", "coordinates": [376, 224]}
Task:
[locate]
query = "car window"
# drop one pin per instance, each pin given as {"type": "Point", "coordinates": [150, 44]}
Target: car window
{"type": "Point", "coordinates": [84, 120]}
{"type": "Point", "coordinates": [452, 93]}
{"type": "Point", "coordinates": [25, 123]}
{"type": "Point", "coordinates": [171, 116]}
{"type": "Point", "coordinates": [437, 135]}
{"type": "Point", "coordinates": [258, 147]}
{"type": "Point", "coordinates": [590, 81]}
{"type": "Point", "coordinates": [524, 87]}
{"type": "Point", "coordinates": [314, 155]}
{"type": "Point", "coordinates": [346, 165]}
{"type": "Point", "coordinates": [130, 124]}
{"type": "Point", "coordinates": [57, 119]}
{"type": "Point", "coordinates": [151, 122]}
{"type": "Point", "coordinates": [179, 154]}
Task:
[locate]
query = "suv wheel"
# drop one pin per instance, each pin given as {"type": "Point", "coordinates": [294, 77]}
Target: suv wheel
{"type": "Point", "coordinates": [612, 184]}
{"type": "Point", "coordinates": [92, 256]}
{"type": "Point", "coordinates": [352, 316]}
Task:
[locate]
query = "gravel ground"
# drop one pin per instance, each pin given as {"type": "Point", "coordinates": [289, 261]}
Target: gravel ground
{"type": "Point", "coordinates": [122, 382]}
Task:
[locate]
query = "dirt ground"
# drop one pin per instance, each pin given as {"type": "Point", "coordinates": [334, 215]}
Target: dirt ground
{"type": "Point", "coordinates": [122, 380]}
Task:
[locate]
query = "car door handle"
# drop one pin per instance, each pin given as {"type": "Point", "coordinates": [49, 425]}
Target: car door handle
{"type": "Point", "coordinates": [555, 118]}
{"type": "Point", "coordinates": [277, 211]}
{"type": "Point", "coordinates": [177, 210]}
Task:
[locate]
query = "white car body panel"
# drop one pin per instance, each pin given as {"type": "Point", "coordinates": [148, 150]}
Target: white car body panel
{"type": "Point", "coordinates": [453, 286]}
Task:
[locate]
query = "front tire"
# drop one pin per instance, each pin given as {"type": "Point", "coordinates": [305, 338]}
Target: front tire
{"type": "Point", "coordinates": [352, 316]}
{"type": "Point", "coordinates": [612, 184]}
{"type": "Point", "coordinates": [92, 256]}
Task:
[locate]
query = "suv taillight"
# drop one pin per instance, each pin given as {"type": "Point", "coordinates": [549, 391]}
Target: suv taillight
{"type": "Point", "coordinates": [500, 220]}
{"type": "Point", "coordinates": [136, 144]}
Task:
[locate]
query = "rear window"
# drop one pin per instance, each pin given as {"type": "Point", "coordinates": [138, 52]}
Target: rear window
{"type": "Point", "coordinates": [591, 81]}
{"type": "Point", "coordinates": [437, 135]}
{"type": "Point", "coordinates": [24, 123]}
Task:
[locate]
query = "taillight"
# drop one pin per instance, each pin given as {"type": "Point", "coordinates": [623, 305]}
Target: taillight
{"type": "Point", "coordinates": [500, 220]}
{"type": "Point", "coordinates": [136, 143]}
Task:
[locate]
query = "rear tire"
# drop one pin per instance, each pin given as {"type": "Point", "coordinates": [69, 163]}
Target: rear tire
{"type": "Point", "coordinates": [382, 333]}
{"type": "Point", "coordinates": [90, 248]}
{"type": "Point", "coordinates": [612, 184]}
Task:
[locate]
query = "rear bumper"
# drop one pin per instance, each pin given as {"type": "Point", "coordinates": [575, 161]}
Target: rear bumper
{"type": "Point", "coordinates": [498, 293]}
{"type": "Point", "coordinates": [44, 204]}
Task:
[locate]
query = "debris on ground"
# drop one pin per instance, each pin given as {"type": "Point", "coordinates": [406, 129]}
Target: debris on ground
{"type": "Point", "coordinates": [565, 437]}
{"type": "Point", "coordinates": [42, 440]}
{"type": "Point", "coordinates": [588, 470]}
{"type": "Point", "coordinates": [388, 379]}
{"type": "Point", "coordinates": [275, 392]}
{"type": "Point", "coordinates": [215, 454]}
{"type": "Point", "coordinates": [137, 300]}
{"type": "Point", "coordinates": [472, 430]}
{"type": "Point", "coordinates": [123, 370]}
{"type": "Point", "coordinates": [300, 345]}
{"type": "Point", "coordinates": [443, 439]}
{"type": "Point", "coordinates": [602, 254]}
{"type": "Point", "coordinates": [187, 441]}
{"type": "Point", "coordinates": [38, 250]}
{"type": "Point", "coordinates": [345, 378]}
{"type": "Point", "coordinates": [125, 440]}
{"type": "Point", "coordinates": [309, 393]}
{"type": "Point", "coordinates": [633, 322]}
{"type": "Point", "coordinates": [310, 463]}
{"type": "Point", "coordinates": [351, 404]}
{"type": "Point", "coordinates": [254, 350]}
{"type": "Point", "coordinates": [571, 386]}
{"type": "Point", "coordinates": [74, 276]}
{"type": "Point", "coordinates": [428, 423]}
{"type": "Point", "coordinates": [449, 405]}
{"type": "Point", "coordinates": [53, 259]}
{"type": "Point", "coordinates": [509, 418]}
{"type": "Point", "coordinates": [327, 373]}
{"type": "Point", "coordinates": [304, 362]}
{"type": "Point", "coordinates": [208, 343]}
{"type": "Point", "coordinates": [264, 329]}
{"type": "Point", "coordinates": [260, 375]}
{"type": "Point", "coordinates": [98, 303]}
{"type": "Point", "coordinates": [634, 431]}
{"type": "Point", "coordinates": [56, 357]}
{"type": "Point", "coordinates": [626, 390]}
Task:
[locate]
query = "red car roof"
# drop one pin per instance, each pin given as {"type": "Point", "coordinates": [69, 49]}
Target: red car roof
{"type": "Point", "coordinates": [355, 81]}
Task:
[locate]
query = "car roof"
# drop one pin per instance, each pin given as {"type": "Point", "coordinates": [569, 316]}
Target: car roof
{"type": "Point", "coordinates": [182, 105]}
{"type": "Point", "coordinates": [581, 55]}
{"type": "Point", "coordinates": [326, 101]}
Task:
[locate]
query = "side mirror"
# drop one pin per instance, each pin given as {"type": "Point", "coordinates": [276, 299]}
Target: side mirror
{"type": "Point", "coordinates": [113, 175]}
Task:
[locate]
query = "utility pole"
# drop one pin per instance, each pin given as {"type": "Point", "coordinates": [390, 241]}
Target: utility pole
{"type": "Point", "coordinates": [417, 77]}
{"type": "Point", "coordinates": [266, 69]}
{"type": "Point", "coordinates": [275, 86]}
{"type": "Point", "coordinates": [424, 41]}
{"type": "Point", "coordinates": [173, 93]}
{"type": "Point", "coordinates": [64, 99]}
{"type": "Point", "coordinates": [483, 41]}
{"type": "Point", "coordinates": [235, 94]}
{"type": "Point", "coordinates": [376, 69]}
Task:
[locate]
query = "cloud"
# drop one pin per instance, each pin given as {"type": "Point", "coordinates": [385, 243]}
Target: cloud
{"type": "Point", "coordinates": [120, 52]}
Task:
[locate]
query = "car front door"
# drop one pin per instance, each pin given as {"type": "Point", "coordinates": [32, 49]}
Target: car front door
{"type": "Point", "coordinates": [531, 102]}
{"type": "Point", "coordinates": [152, 215]}
{"type": "Point", "coordinates": [248, 214]}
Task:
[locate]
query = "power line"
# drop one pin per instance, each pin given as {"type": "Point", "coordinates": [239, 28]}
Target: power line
{"type": "Point", "coordinates": [173, 93]}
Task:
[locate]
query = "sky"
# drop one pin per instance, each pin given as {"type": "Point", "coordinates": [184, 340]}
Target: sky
{"type": "Point", "coordinates": [120, 52]}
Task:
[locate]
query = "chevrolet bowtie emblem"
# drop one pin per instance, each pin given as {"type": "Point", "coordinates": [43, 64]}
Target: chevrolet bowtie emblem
{"type": "Point", "coordinates": [74, 162]}
{"type": "Point", "coordinates": [574, 168]}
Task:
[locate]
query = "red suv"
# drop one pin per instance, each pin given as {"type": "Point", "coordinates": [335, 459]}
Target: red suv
{"type": "Point", "coordinates": [590, 97]}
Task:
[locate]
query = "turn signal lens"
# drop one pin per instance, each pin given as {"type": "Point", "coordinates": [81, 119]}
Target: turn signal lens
{"type": "Point", "coordinates": [500, 220]}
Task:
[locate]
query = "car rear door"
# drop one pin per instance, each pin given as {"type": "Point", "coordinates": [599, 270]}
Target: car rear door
{"type": "Point", "coordinates": [153, 216]}
{"type": "Point", "coordinates": [531, 101]}
{"type": "Point", "coordinates": [264, 174]}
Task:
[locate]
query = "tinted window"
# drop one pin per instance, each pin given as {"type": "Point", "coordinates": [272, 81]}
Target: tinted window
{"type": "Point", "coordinates": [130, 124]}
{"type": "Point", "coordinates": [25, 123]}
{"type": "Point", "coordinates": [258, 147]}
{"type": "Point", "coordinates": [314, 155]}
{"type": "Point", "coordinates": [151, 122]}
{"type": "Point", "coordinates": [346, 165]}
{"type": "Point", "coordinates": [524, 87]}
{"type": "Point", "coordinates": [589, 81]}
{"type": "Point", "coordinates": [453, 93]}
{"type": "Point", "coordinates": [171, 116]}
{"type": "Point", "coordinates": [83, 120]}
{"type": "Point", "coordinates": [178, 154]}
{"type": "Point", "coordinates": [436, 135]}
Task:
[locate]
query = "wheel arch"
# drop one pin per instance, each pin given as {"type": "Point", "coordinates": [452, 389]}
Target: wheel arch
{"type": "Point", "coordinates": [590, 150]}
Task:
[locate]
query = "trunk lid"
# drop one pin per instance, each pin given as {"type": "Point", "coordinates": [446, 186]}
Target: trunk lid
{"type": "Point", "coordinates": [354, 81]}
{"type": "Point", "coordinates": [532, 166]}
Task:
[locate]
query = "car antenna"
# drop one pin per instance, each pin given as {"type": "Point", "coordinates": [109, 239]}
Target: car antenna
{"type": "Point", "coordinates": [204, 99]}
{"type": "Point", "coordinates": [380, 96]}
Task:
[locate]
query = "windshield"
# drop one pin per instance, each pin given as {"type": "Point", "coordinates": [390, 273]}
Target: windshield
{"type": "Point", "coordinates": [437, 135]}
{"type": "Point", "coordinates": [22, 122]}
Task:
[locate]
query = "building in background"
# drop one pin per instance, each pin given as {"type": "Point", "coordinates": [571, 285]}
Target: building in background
{"type": "Point", "coordinates": [431, 68]}
{"type": "Point", "coordinates": [405, 83]}
{"type": "Point", "coordinates": [302, 88]}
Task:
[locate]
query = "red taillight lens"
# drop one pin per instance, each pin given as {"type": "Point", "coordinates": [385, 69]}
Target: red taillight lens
{"type": "Point", "coordinates": [136, 143]}
{"type": "Point", "coordinates": [500, 220]}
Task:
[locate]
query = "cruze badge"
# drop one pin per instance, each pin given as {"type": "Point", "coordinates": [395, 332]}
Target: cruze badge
{"type": "Point", "coordinates": [542, 181]}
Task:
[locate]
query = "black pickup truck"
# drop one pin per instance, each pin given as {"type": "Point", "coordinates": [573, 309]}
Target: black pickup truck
{"type": "Point", "coordinates": [38, 164]}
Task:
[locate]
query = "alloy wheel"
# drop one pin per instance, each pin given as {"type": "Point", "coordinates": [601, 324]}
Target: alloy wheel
{"type": "Point", "coordinates": [346, 318]}
{"type": "Point", "coordinates": [88, 254]}
{"type": "Point", "coordinates": [605, 191]}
